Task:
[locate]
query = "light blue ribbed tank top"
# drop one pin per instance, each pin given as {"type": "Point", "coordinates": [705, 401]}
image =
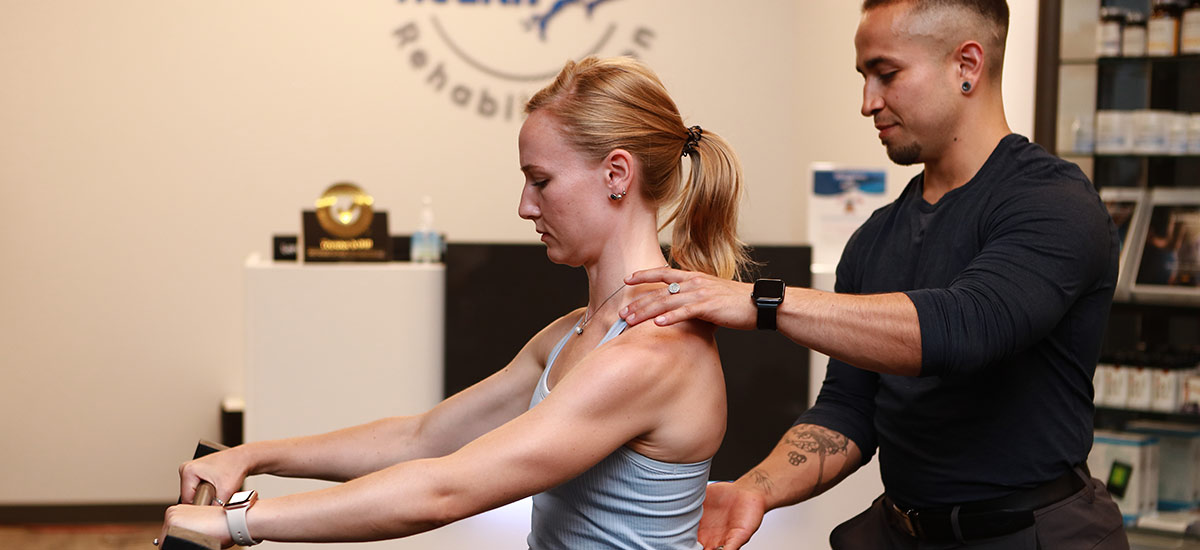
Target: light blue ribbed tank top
{"type": "Point", "coordinates": [627, 501]}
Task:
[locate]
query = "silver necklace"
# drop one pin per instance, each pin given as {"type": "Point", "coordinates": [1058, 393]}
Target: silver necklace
{"type": "Point", "coordinates": [588, 318]}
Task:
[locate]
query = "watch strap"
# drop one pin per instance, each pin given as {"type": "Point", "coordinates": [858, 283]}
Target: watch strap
{"type": "Point", "coordinates": [767, 316]}
{"type": "Point", "coordinates": [236, 519]}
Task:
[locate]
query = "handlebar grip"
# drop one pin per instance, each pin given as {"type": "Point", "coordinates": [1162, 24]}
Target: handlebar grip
{"type": "Point", "coordinates": [205, 493]}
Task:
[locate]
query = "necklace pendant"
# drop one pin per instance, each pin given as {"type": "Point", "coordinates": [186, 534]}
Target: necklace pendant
{"type": "Point", "coordinates": [578, 330]}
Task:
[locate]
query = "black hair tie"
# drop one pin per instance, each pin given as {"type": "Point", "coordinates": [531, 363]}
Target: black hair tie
{"type": "Point", "coordinates": [693, 139]}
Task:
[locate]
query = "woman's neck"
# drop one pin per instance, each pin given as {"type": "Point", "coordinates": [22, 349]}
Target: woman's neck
{"type": "Point", "coordinates": [607, 276]}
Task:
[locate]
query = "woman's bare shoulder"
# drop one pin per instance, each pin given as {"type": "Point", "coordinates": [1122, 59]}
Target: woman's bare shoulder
{"type": "Point", "coordinates": [651, 350]}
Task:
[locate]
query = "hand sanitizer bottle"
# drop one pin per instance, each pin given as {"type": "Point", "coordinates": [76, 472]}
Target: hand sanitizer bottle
{"type": "Point", "coordinates": [426, 242]}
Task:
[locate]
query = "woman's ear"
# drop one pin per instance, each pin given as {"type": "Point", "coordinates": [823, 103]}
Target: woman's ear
{"type": "Point", "coordinates": [618, 171]}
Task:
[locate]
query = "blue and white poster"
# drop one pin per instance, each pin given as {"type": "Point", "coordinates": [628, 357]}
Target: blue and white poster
{"type": "Point", "coordinates": [841, 199]}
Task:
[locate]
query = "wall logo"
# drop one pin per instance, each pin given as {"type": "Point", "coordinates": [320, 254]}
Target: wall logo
{"type": "Point", "coordinates": [489, 56]}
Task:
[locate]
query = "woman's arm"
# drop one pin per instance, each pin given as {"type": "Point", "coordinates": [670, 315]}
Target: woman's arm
{"type": "Point", "coordinates": [615, 394]}
{"type": "Point", "coordinates": [353, 452]}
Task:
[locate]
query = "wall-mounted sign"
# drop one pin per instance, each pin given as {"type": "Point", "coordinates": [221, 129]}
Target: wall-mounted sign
{"type": "Point", "coordinates": [346, 227]}
{"type": "Point", "coordinates": [489, 57]}
{"type": "Point", "coordinates": [839, 201]}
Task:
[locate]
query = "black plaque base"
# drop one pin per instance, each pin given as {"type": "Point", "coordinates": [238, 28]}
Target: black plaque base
{"type": "Point", "coordinates": [374, 245]}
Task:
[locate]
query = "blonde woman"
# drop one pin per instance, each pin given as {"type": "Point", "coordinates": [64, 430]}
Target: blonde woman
{"type": "Point", "coordinates": [610, 428]}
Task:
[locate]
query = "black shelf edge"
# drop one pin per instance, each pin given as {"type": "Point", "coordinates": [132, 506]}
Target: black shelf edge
{"type": "Point", "coordinates": [1139, 414]}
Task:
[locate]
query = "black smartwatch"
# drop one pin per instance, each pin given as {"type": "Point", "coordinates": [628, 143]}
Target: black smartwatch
{"type": "Point", "coordinates": [767, 296]}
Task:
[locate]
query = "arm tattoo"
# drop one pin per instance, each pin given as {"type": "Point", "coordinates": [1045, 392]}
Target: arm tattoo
{"type": "Point", "coordinates": [815, 440]}
{"type": "Point", "coordinates": [762, 480]}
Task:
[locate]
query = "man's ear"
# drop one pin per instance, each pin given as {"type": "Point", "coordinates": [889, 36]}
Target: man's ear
{"type": "Point", "coordinates": [971, 61]}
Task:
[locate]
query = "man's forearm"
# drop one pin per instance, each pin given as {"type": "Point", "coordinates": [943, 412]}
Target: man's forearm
{"type": "Point", "coordinates": [805, 463]}
{"type": "Point", "coordinates": [879, 332]}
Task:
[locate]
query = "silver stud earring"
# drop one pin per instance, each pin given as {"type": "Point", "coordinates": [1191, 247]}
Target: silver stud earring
{"type": "Point", "coordinates": [966, 87]}
{"type": "Point", "coordinates": [617, 197]}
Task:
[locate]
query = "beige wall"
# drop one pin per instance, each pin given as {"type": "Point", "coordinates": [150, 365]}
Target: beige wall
{"type": "Point", "coordinates": [149, 145]}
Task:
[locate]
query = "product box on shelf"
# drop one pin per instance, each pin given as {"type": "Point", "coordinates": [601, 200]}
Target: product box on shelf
{"type": "Point", "coordinates": [1128, 462]}
{"type": "Point", "coordinates": [1100, 384]}
{"type": "Point", "coordinates": [1158, 132]}
{"type": "Point", "coordinates": [1177, 133]}
{"type": "Point", "coordinates": [1116, 387]}
{"type": "Point", "coordinates": [1150, 131]}
{"type": "Point", "coordinates": [1191, 392]}
{"type": "Point", "coordinates": [1182, 522]}
{"type": "Point", "coordinates": [1194, 134]}
{"type": "Point", "coordinates": [1140, 388]}
{"type": "Point", "coordinates": [1166, 394]}
{"type": "Point", "coordinates": [1179, 461]}
{"type": "Point", "coordinates": [1114, 132]}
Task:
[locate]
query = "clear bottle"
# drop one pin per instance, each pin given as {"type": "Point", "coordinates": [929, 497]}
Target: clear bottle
{"type": "Point", "coordinates": [1163, 30]}
{"type": "Point", "coordinates": [426, 242]}
{"type": "Point", "coordinates": [1082, 136]}
{"type": "Point", "coordinates": [1108, 32]}
{"type": "Point", "coordinates": [1189, 29]}
{"type": "Point", "coordinates": [1133, 39]}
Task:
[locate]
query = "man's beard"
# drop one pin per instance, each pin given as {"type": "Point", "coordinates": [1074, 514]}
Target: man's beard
{"type": "Point", "coordinates": [904, 155]}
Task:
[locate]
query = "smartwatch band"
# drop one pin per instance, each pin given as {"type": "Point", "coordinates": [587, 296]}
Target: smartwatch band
{"type": "Point", "coordinates": [235, 517]}
{"type": "Point", "coordinates": [767, 316]}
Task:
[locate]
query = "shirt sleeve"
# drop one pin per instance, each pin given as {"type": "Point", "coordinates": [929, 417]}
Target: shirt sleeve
{"type": "Point", "coordinates": [846, 403]}
{"type": "Point", "coordinates": [1043, 248]}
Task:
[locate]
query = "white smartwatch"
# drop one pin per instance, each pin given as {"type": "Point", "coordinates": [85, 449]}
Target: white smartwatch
{"type": "Point", "coordinates": [235, 516]}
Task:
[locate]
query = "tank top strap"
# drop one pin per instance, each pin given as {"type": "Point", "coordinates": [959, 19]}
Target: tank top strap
{"type": "Point", "coordinates": [561, 343]}
{"type": "Point", "coordinates": [615, 330]}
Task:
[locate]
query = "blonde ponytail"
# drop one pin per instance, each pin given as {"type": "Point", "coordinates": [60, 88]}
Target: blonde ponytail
{"type": "Point", "coordinates": [705, 234]}
{"type": "Point", "coordinates": [619, 103]}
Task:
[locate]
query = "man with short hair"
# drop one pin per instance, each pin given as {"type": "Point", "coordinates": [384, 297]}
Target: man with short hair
{"type": "Point", "coordinates": [966, 325]}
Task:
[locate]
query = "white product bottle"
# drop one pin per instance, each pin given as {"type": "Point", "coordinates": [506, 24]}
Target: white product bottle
{"type": "Point", "coordinates": [1083, 136]}
{"type": "Point", "coordinates": [426, 242]}
{"type": "Point", "coordinates": [1189, 30]}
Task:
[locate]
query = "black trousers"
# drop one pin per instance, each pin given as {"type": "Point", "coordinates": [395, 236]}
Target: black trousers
{"type": "Point", "coordinates": [1087, 520]}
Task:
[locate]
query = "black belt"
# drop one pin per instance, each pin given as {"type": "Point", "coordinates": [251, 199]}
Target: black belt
{"type": "Point", "coordinates": [983, 519]}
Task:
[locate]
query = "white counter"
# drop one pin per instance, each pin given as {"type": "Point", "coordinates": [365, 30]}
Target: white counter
{"type": "Point", "coordinates": [334, 345]}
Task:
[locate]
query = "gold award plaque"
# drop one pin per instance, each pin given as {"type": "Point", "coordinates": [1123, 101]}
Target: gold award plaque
{"type": "Point", "coordinates": [344, 210]}
{"type": "Point", "coordinates": [346, 227]}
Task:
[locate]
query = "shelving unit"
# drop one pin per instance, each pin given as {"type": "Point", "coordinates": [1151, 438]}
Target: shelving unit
{"type": "Point", "coordinates": [1073, 84]}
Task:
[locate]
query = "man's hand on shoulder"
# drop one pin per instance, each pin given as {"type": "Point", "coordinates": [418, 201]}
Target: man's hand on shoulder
{"type": "Point", "coordinates": [696, 296]}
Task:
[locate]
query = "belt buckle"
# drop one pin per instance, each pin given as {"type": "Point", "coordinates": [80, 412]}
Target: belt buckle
{"type": "Point", "coordinates": [907, 524]}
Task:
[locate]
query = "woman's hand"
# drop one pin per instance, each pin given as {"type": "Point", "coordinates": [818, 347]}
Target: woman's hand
{"type": "Point", "coordinates": [226, 470]}
{"type": "Point", "coordinates": [699, 296]}
{"type": "Point", "coordinates": [206, 520]}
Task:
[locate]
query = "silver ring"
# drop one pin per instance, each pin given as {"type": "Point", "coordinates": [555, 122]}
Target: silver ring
{"type": "Point", "coordinates": [673, 288]}
{"type": "Point", "coordinates": [218, 501]}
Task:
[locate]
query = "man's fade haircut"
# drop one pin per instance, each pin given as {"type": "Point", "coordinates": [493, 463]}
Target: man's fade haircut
{"type": "Point", "coordinates": [994, 13]}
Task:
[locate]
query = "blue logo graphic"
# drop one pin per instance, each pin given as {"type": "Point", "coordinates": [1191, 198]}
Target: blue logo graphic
{"type": "Point", "coordinates": [836, 182]}
{"type": "Point", "coordinates": [542, 20]}
{"type": "Point", "coordinates": [534, 59]}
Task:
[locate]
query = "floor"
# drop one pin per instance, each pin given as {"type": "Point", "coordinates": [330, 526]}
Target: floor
{"type": "Point", "coordinates": [140, 537]}
{"type": "Point", "coordinates": [79, 537]}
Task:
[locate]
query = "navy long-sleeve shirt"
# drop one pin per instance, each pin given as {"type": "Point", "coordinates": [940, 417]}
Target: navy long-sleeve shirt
{"type": "Point", "coordinates": [1012, 276]}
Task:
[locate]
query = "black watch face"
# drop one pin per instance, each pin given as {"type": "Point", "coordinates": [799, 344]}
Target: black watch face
{"type": "Point", "coordinates": [768, 288]}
